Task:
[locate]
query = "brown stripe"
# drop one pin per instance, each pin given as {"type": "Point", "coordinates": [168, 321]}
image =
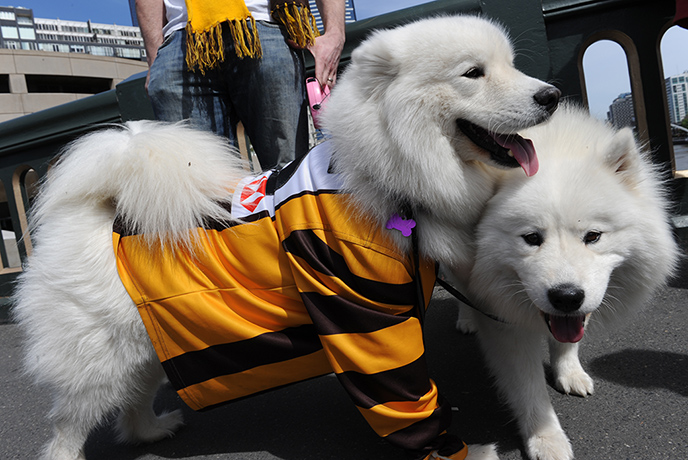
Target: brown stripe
{"type": "Point", "coordinates": [337, 315]}
{"type": "Point", "coordinates": [318, 255]}
{"type": "Point", "coordinates": [198, 366]}
{"type": "Point", "coordinates": [406, 383]}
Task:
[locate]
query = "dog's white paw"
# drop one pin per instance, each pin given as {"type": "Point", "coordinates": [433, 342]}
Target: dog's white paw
{"type": "Point", "coordinates": [166, 425]}
{"type": "Point", "coordinates": [57, 450]}
{"type": "Point", "coordinates": [552, 445]}
{"type": "Point", "coordinates": [159, 427]}
{"type": "Point", "coordinates": [482, 452]}
{"type": "Point", "coordinates": [575, 382]}
{"type": "Point", "coordinates": [466, 324]}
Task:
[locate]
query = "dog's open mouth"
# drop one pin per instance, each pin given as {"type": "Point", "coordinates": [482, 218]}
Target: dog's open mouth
{"type": "Point", "coordinates": [510, 150]}
{"type": "Point", "coordinates": [566, 329]}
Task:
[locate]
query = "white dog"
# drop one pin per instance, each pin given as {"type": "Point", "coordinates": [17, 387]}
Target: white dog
{"type": "Point", "coordinates": [583, 243]}
{"type": "Point", "coordinates": [420, 124]}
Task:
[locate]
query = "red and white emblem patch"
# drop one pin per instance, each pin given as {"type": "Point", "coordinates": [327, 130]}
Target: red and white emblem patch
{"type": "Point", "coordinates": [253, 193]}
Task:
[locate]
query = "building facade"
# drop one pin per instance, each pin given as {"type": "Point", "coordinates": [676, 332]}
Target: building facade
{"type": "Point", "coordinates": [622, 113]}
{"type": "Point", "coordinates": [48, 62]}
{"type": "Point", "coordinates": [677, 97]}
{"type": "Point", "coordinates": [19, 30]}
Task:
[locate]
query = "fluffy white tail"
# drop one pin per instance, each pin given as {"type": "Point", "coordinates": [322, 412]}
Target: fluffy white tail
{"type": "Point", "coordinates": [162, 179]}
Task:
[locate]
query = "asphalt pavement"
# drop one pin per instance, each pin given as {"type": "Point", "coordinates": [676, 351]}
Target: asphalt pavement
{"type": "Point", "coordinates": [639, 410]}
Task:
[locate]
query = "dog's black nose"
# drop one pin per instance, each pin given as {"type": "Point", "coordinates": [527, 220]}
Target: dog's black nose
{"type": "Point", "coordinates": [566, 297]}
{"type": "Point", "coordinates": [548, 98]}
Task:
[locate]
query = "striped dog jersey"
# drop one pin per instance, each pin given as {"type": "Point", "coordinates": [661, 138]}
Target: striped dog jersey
{"type": "Point", "coordinates": [302, 287]}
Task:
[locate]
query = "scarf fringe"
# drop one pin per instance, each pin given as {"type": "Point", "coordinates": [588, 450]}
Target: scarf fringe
{"type": "Point", "coordinates": [299, 22]}
{"type": "Point", "coordinates": [205, 49]}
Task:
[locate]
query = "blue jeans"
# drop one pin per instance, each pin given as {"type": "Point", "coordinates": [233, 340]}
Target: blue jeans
{"type": "Point", "coordinates": [267, 95]}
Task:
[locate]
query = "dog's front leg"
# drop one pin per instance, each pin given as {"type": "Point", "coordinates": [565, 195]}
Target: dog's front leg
{"type": "Point", "coordinates": [569, 375]}
{"type": "Point", "coordinates": [513, 355]}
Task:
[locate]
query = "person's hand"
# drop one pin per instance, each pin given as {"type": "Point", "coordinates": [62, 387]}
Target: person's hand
{"type": "Point", "coordinates": [326, 51]}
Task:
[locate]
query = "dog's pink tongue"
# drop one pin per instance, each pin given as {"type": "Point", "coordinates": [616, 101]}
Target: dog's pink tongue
{"type": "Point", "coordinates": [522, 150]}
{"type": "Point", "coordinates": [567, 328]}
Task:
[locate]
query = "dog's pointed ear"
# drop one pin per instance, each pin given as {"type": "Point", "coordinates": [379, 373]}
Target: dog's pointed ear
{"type": "Point", "coordinates": [375, 63]}
{"type": "Point", "coordinates": [624, 157]}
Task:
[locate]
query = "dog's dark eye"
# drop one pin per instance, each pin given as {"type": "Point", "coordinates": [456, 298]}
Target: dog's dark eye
{"type": "Point", "coordinates": [475, 72]}
{"type": "Point", "coordinates": [592, 237]}
{"type": "Point", "coordinates": [533, 238]}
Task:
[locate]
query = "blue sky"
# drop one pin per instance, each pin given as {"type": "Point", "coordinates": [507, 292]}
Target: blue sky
{"type": "Point", "coordinates": [607, 75]}
{"type": "Point", "coordinates": [102, 11]}
{"type": "Point", "coordinates": [117, 11]}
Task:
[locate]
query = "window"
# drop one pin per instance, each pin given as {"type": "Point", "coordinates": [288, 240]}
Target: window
{"type": "Point", "coordinates": [52, 27]}
{"type": "Point", "coordinates": [67, 84]}
{"type": "Point", "coordinates": [101, 51]}
{"type": "Point", "coordinates": [4, 83]}
{"type": "Point", "coordinates": [128, 53]}
{"type": "Point", "coordinates": [9, 32]}
{"type": "Point", "coordinates": [27, 34]}
{"type": "Point", "coordinates": [608, 83]}
{"type": "Point", "coordinates": [29, 46]}
{"type": "Point", "coordinates": [7, 15]}
{"type": "Point", "coordinates": [675, 66]}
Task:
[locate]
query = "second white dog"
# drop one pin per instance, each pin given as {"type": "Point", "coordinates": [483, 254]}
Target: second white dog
{"type": "Point", "coordinates": [583, 244]}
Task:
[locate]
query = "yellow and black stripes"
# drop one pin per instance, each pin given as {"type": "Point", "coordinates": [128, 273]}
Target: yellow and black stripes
{"type": "Point", "coordinates": [316, 254]}
{"type": "Point", "coordinates": [374, 345]}
{"type": "Point", "coordinates": [198, 366]}
{"type": "Point", "coordinates": [301, 288]}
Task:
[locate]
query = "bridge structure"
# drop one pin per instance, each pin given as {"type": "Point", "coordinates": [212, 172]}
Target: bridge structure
{"type": "Point", "coordinates": [551, 37]}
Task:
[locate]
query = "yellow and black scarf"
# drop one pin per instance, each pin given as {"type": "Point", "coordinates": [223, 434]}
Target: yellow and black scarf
{"type": "Point", "coordinates": [204, 44]}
